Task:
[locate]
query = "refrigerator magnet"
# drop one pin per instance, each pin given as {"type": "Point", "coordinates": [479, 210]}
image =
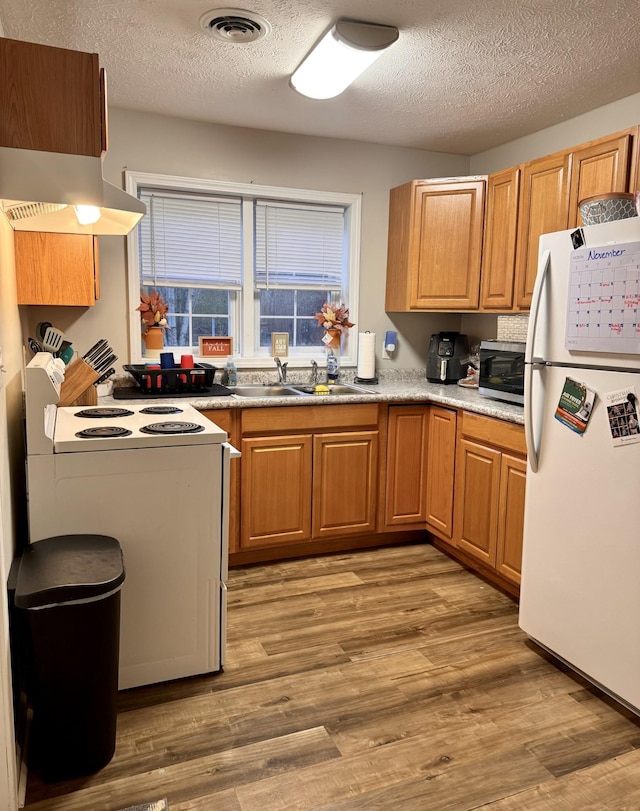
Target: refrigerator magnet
{"type": "Point", "coordinates": [575, 405]}
{"type": "Point", "coordinates": [622, 411]}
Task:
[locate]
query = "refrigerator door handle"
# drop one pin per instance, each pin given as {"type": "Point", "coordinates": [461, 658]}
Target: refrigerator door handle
{"type": "Point", "coordinates": [541, 278]}
{"type": "Point", "coordinates": [531, 361]}
{"type": "Point", "coordinates": [532, 451]}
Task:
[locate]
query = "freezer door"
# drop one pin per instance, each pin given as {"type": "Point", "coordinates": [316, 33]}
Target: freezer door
{"type": "Point", "coordinates": [580, 592]}
{"type": "Point", "coordinates": [547, 324]}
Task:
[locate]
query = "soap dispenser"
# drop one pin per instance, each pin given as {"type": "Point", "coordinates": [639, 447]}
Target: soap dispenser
{"type": "Point", "coordinates": [230, 374]}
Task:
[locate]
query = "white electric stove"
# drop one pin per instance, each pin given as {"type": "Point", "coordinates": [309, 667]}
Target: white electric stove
{"type": "Point", "coordinates": [155, 477]}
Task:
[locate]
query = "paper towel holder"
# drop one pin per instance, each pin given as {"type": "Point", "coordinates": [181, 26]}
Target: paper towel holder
{"type": "Point", "coordinates": [367, 381]}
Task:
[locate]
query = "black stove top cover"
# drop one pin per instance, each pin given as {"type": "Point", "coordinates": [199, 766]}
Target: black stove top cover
{"type": "Point", "coordinates": [168, 409]}
{"type": "Point", "coordinates": [174, 427]}
{"type": "Point", "coordinates": [104, 411]}
{"type": "Point", "coordinates": [103, 431]}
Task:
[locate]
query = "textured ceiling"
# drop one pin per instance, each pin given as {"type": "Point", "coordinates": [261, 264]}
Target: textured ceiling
{"type": "Point", "coordinates": [464, 76]}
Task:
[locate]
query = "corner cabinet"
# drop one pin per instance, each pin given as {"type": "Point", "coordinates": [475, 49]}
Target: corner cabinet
{"type": "Point", "coordinates": [57, 269]}
{"type": "Point", "coordinates": [406, 465]}
{"type": "Point", "coordinates": [435, 245]}
{"type": "Point", "coordinates": [489, 494]}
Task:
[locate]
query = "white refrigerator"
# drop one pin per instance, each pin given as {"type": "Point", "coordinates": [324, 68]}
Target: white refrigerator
{"type": "Point", "coordinates": [580, 592]}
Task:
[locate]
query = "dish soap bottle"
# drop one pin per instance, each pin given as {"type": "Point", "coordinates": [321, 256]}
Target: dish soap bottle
{"type": "Point", "coordinates": [332, 367]}
{"type": "Point", "coordinates": [230, 375]}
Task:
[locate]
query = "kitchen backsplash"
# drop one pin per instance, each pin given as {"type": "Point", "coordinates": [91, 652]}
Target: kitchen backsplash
{"type": "Point", "coordinates": [513, 327]}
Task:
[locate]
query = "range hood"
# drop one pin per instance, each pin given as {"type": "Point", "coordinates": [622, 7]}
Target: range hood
{"type": "Point", "coordinates": [39, 191]}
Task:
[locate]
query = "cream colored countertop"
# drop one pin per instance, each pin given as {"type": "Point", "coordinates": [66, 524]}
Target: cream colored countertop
{"type": "Point", "coordinates": [399, 387]}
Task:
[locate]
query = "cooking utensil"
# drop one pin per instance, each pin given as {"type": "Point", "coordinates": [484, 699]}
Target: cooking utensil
{"type": "Point", "coordinates": [52, 339]}
{"type": "Point", "coordinates": [66, 352]}
{"type": "Point", "coordinates": [95, 349]}
{"type": "Point", "coordinates": [34, 346]}
{"type": "Point", "coordinates": [41, 328]}
{"type": "Point", "coordinates": [100, 357]}
{"type": "Point", "coordinates": [105, 376]}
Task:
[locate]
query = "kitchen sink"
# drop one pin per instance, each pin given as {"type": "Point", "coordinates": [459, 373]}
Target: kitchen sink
{"type": "Point", "coordinates": [336, 389]}
{"type": "Point", "coordinates": [267, 391]}
{"type": "Point", "coordinates": [296, 390]}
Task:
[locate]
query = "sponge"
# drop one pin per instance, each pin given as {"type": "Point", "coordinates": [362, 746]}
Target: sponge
{"type": "Point", "coordinates": [321, 390]}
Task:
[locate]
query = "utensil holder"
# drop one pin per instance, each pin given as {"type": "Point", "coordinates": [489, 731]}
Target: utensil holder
{"type": "Point", "coordinates": [77, 387]}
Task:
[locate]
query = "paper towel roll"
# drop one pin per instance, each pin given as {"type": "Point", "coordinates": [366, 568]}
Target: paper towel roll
{"type": "Point", "coordinates": [366, 355]}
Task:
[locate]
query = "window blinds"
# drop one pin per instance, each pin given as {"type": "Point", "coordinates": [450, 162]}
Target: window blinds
{"type": "Point", "coordinates": [190, 240]}
{"type": "Point", "coordinates": [298, 245]}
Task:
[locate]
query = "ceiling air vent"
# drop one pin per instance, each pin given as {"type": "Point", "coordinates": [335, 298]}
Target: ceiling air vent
{"type": "Point", "coordinates": [234, 25]}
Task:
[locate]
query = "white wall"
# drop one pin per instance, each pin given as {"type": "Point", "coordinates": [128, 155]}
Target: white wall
{"type": "Point", "coordinates": [618, 115]}
{"type": "Point", "coordinates": [154, 143]}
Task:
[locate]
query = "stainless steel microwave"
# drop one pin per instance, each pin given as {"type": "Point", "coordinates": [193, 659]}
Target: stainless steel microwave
{"type": "Point", "coordinates": [502, 370]}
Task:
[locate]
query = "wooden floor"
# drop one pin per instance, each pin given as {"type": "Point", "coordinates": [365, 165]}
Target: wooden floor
{"type": "Point", "coordinates": [384, 679]}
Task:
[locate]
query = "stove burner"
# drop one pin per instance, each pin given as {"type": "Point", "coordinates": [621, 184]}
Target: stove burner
{"type": "Point", "coordinates": [104, 411]}
{"type": "Point", "coordinates": [161, 410]}
{"type": "Point", "coordinates": [175, 427]}
{"type": "Point", "coordinates": [103, 431]}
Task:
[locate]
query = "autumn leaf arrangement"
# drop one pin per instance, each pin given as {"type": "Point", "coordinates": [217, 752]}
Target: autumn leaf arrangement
{"type": "Point", "coordinates": [334, 317]}
{"type": "Point", "coordinates": [153, 310]}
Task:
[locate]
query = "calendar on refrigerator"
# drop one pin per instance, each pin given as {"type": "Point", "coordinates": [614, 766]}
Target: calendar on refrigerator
{"type": "Point", "coordinates": [603, 309]}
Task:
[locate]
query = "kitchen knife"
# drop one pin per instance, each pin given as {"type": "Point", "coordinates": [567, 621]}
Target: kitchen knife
{"type": "Point", "coordinates": [104, 376]}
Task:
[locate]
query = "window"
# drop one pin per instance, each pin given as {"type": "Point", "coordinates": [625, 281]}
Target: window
{"type": "Point", "coordinates": [245, 261]}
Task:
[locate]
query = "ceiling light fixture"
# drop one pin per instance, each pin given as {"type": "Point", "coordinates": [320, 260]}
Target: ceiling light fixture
{"type": "Point", "coordinates": [340, 57]}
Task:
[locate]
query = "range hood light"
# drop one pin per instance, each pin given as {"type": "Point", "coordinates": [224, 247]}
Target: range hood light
{"type": "Point", "coordinates": [87, 214]}
{"type": "Point", "coordinates": [46, 191]}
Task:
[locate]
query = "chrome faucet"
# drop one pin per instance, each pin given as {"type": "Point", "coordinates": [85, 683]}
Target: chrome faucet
{"type": "Point", "coordinates": [314, 372]}
{"type": "Point", "coordinates": [282, 370]}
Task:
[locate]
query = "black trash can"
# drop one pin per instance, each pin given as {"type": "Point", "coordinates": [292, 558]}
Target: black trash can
{"type": "Point", "coordinates": [67, 600]}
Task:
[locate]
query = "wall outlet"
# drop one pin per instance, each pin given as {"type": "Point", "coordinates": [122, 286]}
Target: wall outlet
{"type": "Point", "coordinates": [385, 354]}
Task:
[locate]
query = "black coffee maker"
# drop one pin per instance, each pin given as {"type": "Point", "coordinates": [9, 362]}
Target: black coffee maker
{"type": "Point", "coordinates": [448, 357]}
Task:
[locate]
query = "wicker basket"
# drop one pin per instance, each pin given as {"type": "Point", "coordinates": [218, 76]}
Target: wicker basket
{"type": "Point", "coordinates": [607, 208]}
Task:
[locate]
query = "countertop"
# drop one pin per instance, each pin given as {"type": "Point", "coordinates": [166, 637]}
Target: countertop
{"type": "Point", "coordinates": [398, 387]}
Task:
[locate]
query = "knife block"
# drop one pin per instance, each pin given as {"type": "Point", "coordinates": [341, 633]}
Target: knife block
{"type": "Point", "coordinates": [77, 387]}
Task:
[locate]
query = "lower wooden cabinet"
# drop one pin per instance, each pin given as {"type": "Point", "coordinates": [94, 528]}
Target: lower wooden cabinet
{"type": "Point", "coordinates": [307, 474]}
{"type": "Point", "coordinates": [406, 465]}
{"type": "Point", "coordinates": [276, 484]}
{"type": "Point", "coordinates": [57, 269]}
{"type": "Point", "coordinates": [511, 517]}
{"type": "Point", "coordinates": [489, 493]}
{"type": "Point", "coordinates": [441, 455]}
{"type": "Point", "coordinates": [345, 469]}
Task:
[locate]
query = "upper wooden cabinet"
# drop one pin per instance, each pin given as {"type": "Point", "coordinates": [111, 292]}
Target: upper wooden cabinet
{"type": "Point", "coordinates": [435, 244]}
{"type": "Point", "coordinates": [544, 207]}
{"type": "Point", "coordinates": [434, 236]}
{"type": "Point", "coordinates": [52, 99]}
{"type": "Point", "coordinates": [601, 166]}
{"type": "Point", "coordinates": [57, 269]}
{"type": "Point", "coordinates": [500, 231]}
